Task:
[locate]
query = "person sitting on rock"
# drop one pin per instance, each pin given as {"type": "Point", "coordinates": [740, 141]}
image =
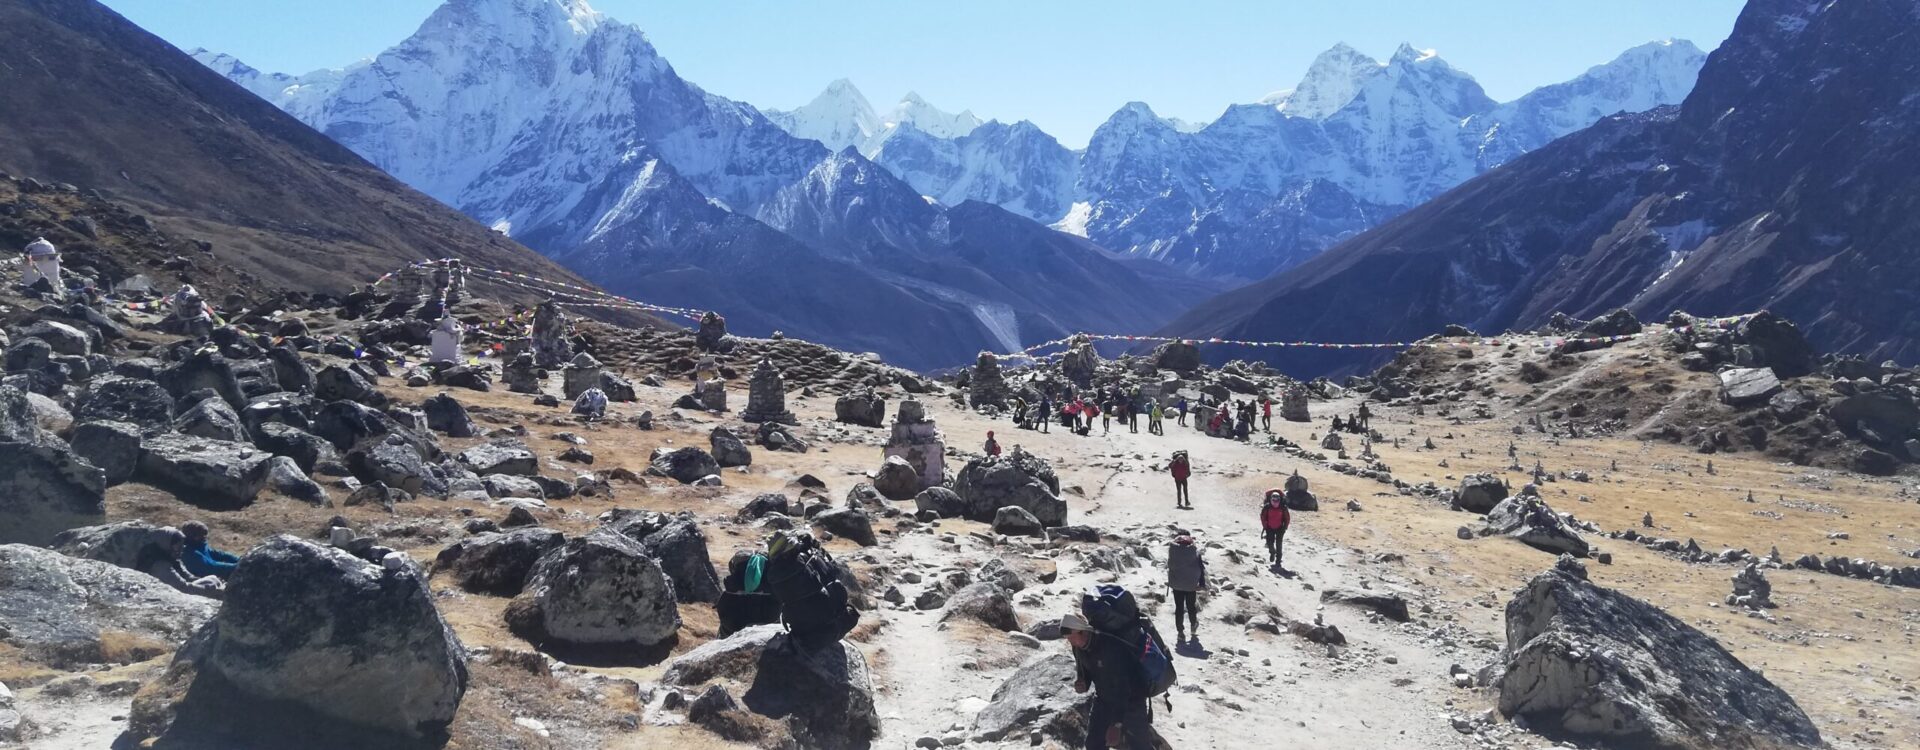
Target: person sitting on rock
{"type": "Point", "coordinates": [202, 560]}
{"type": "Point", "coordinates": [992, 446]}
{"type": "Point", "coordinates": [162, 560]}
{"type": "Point", "coordinates": [591, 404]}
{"type": "Point", "coordinates": [1338, 426]}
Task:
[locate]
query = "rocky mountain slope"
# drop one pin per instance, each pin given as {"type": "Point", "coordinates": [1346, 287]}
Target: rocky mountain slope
{"type": "Point", "coordinates": [1266, 185]}
{"type": "Point", "coordinates": [1780, 183]}
{"type": "Point", "coordinates": [547, 120]}
{"type": "Point", "coordinates": [89, 100]}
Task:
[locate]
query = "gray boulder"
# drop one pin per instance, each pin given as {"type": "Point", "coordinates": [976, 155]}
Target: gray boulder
{"type": "Point", "coordinates": [1529, 520]}
{"type": "Point", "coordinates": [685, 465]}
{"type": "Point", "coordinates": [61, 337]}
{"type": "Point", "coordinates": [336, 383]}
{"type": "Point", "coordinates": [57, 607]}
{"type": "Point", "coordinates": [308, 451]}
{"type": "Point", "coordinates": [853, 525]}
{"type": "Point", "coordinates": [315, 643]}
{"type": "Point", "coordinates": [1593, 662]}
{"type": "Point", "coordinates": [825, 694]}
{"type": "Point", "coordinates": [1478, 493]}
{"type": "Point", "coordinates": [396, 463]}
{"type": "Point", "coordinates": [600, 590]}
{"type": "Point", "coordinates": [1390, 605]}
{"type": "Point", "coordinates": [940, 501]}
{"type": "Point", "coordinates": [214, 474]}
{"type": "Point", "coordinates": [212, 419]}
{"type": "Point", "coordinates": [1014, 520]}
{"type": "Point", "coordinates": [496, 563]}
{"type": "Point", "coordinates": [1019, 479]}
{"type": "Point", "coordinates": [285, 477]}
{"type": "Point", "coordinates": [508, 485]}
{"type": "Point", "coordinates": [1747, 386]}
{"type": "Point", "coordinates": [897, 479]}
{"type": "Point", "coordinates": [864, 408]}
{"type": "Point", "coordinates": [1038, 698]}
{"type": "Point", "coordinates": [114, 543]}
{"type": "Point", "coordinates": [500, 458]}
{"type": "Point", "coordinates": [46, 489]}
{"type": "Point", "coordinates": [677, 544]}
{"type": "Point", "coordinates": [446, 415]}
{"type": "Point", "coordinates": [985, 602]}
{"type": "Point", "coordinates": [118, 399]}
{"type": "Point", "coordinates": [203, 369]}
{"type": "Point", "coordinates": [728, 449]}
{"type": "Point", "coordinates": [112, 446]}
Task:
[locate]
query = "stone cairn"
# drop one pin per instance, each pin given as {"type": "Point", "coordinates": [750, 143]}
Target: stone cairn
{"type": "Point", "coordinates": [767, 396]}
{"type": "Point", "coordinates": [1293, 404]}
{"type": "Point", "coordinates": [709, 391]}
{"type": "Point", "coordinates": [550, 345]}
{"type": "Point", "coordinates": [712, 336]}
{"type": "Point", "coordinates": [580, 374]}
{"type": "Point", "coordinates": [917, 440]}
{"type": "Point", "coordinates": [986, 386]}
{"type": "Point", "coordinates": [1297, 495]}
{"type": "Point", "coordinates": [1080, 362]}
{"type": "Point", "coordinates": [521, 374]}
{"type": "Point", "coordinates": [1751, 588]}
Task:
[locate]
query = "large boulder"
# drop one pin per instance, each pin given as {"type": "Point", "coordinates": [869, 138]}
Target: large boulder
{"type": "Point", "coordinates": [728, 449]}
{"type": "Point", "coordinates": [1014, 520]}
{"type": "Point", "coordinates": [285, 477]}
{"type": "Point", "coordinates": [685, 465]}
{"type": "Point", "coordinates": [864, 408]}
{"type": "Point", "coordinates": [940, 501]}
{"type": "Point", "coordinates": [1478, 493]}
{"type": "Point", "coordinates": [1529, 520]}
{"type": "Point", "coordinates": [61, 610]}
{"type": "Point", "coordinates": [987, 603]}
{"type": "Point", "coordinates": [853, 525]}
{"type": "Point", "coordinates": [112, 446]}
{"type": "Point", "coordinates": [598, 591]}
{"type": "Point", "coordinates": [1037, 698]}
{"type": "Point", "coordinates": [336, 383]}
{"type": "Point", "coordinates": [1882, 418]}
{"type": "Point", "coordinates": [500, 458]}
{"type": "Point", "coordinates": [1593, 662]}
{"type": "Point", "coordinates": [214, 474]}
{"type": "Point", "coordinates": [315, 647]}
{"type": "Point", "coordinates": [213, 419]}
{"type": "Point", "coordinates": [45, 488]}
{"type": "Point", "coordinates": [1018, 478]}
{"type": "Point", "coordinates": [824, 694]}
{"type": "Point", "coordinates": [307, 450]}
{"type": "Point", "coordinates": [62, 338]}
{"type": "Point", "coordinates": [1777, 344]}
{"type": "Point", "coordinates": [496, 563]}
{"type": "Point", "coordinates": [396, 463]}
{"type": "Point", "coordinates": [448, 416]}
{"type": "Point", "coordinates": [897, 479]}
{"type": "Point", "coordinates": [118, 399]}
{"type": "Point", "coordinates": [677, 544]}
{"type": "Point", "coordinates": [119, 543]}
{"type": "Point", "coordinates": [1748, 385]}
{"type": "Point", "coordinates": [1179, 356]}
{"type": "Point", "coordinates": [202, 369]}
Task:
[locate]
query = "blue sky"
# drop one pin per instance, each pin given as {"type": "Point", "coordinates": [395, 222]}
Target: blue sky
{"type": "Point", "coordinates": [1064, 64]}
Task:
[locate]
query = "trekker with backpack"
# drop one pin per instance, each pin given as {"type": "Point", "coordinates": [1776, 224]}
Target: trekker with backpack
{"type": "Point", "coordinates": [992, 446]}
{"type": "Point", "coordinates": [1186, 576]}
{"type": "Point", "coordinates": [1274, 520]}
{"type": "Point", "coordinates": [1180, 470]}
{"type": "Point", "coordinates": [806, 581]}
{"type": "Point", "coordinates": [1120, 655]}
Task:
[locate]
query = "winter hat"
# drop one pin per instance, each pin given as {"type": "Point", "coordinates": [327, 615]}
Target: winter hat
{"type": "Point", "coordinates": [1074, 621]}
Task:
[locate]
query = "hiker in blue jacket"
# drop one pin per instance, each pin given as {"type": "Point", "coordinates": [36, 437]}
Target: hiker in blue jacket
{"type": "Point", "coordinates": [202, 560]}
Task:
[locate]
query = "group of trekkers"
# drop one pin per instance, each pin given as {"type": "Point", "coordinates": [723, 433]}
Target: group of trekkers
{"type": "Point", "coordinates": [1358, 423]}
{"type": "Point", "coordinates": [1078, 412]}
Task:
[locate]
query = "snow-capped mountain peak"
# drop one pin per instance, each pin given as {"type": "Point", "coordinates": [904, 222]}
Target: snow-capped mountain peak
{"type": "Point", "coordinates": [1333, 79]}
{"type": "Point", "coordinates": [838, 118]}
{"type": "Point", "coordinates": [931, 119]}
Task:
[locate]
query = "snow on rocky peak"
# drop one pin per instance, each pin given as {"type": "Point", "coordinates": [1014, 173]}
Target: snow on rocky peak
{"type": "Point", "coordinates": [1333, 79]}
{"type": "Point", "coordinates": [839, 117]}
{"type": "Point", "coordinates": [930, 119]}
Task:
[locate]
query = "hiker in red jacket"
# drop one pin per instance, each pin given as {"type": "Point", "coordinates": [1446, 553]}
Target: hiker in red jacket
{"type": "Point", "coordinates": [1180, 470]}
{"type": "Point", "coordinates": [993, 446]}
{"type": "Point", "coordinates": [1274, 520]}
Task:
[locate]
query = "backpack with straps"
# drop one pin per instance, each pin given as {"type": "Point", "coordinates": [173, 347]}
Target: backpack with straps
{"type": "Point", "coordinates": [1112, 611]}
{"type": "Point", "coordinates": [806, 581]}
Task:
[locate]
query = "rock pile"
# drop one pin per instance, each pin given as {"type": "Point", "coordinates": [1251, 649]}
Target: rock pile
{"type": "Point", "coordinates": [767, 396]}
{"type": "Point", "coordinates": [986, 386]}
{"type": "Point", "coordinates": [1018, 479]}
{"type": "Point", "coordinates": [917, 442]}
